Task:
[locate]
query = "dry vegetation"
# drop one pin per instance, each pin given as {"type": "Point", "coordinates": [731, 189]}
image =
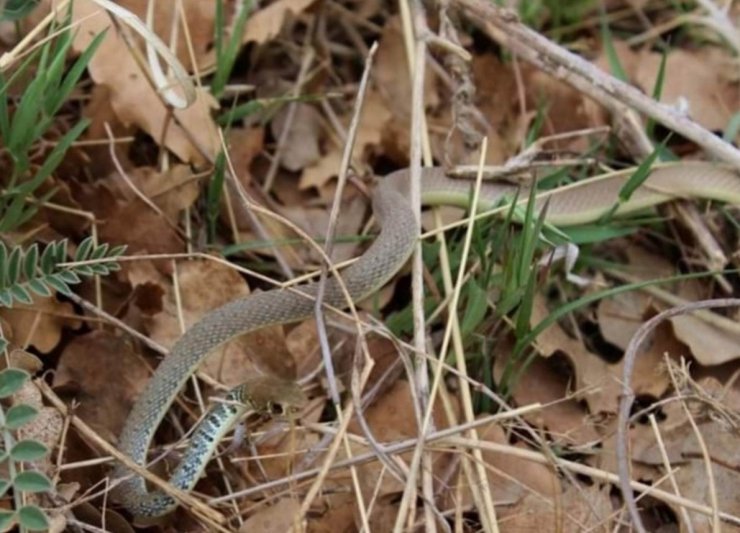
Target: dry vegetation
{"type": "Point", "coordinates": [522, 432]}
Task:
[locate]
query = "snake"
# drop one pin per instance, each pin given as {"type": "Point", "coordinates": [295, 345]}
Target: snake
{"type": "Point", "coordinates": [581, 202]}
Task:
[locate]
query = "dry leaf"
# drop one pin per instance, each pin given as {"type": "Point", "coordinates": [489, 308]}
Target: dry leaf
{"type": "Point", "coordinates": [205, 285]}
{"type": "Point", "coordinates": [695, 77]}
{"type": "Point", "coordinates": [710, 344]}
{"type": "Point", "coordinates": [316, 221]}
{"type": "Point", "coordinates": [391, 72]}
{"type": "Point", "coordinates": [301, 148]}
{"type": "Point", "coordinates": [105, 374]}
{"type": "Point", "coordinates": [393, 417]}
{"type": "Point", "coordinates": [323, 170]}
{"type": "Point", "coordinates": [244, 145]}
{"type": "Point", "coordinates": [576, 509]}
{"type": "Point", "coordinates": [509, 477]}
{"type": "Point", "coordinates": [132, 96]}
{"type": "Point", "coordinates": [39, 324]}
{"type": "Point", "coordinates": [598, 382]}
{"type": "Point", "coordinates": [547, 381]}
{"type": "Point", "coordinates": [281, 516]}
{"type": "Point", "coordinates": [266, 23]}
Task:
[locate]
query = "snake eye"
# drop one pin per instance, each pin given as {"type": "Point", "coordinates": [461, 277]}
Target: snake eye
{"type": "Point", "coordinates": [276, 409]}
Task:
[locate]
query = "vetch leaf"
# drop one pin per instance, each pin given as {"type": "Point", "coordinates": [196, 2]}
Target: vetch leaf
{"type": "Point", "coordinates": [28, 450]}
{"type": "Point", "coordinates": [29, 262]}
{"type": "Point", "coordinates": [19, 415]}
{"type": "Point", "coordinates": [11, 380]}
{"type": "Point", "coordinates": [99, 252]}
{"type": "Point", "coordinates": [47, 259]}
{"type": "Point", "coordinates": [58, 284]}
{"type": "Point", "coordinates": [14, 265]}
{"type": "Point", "coordinates": [20, 293]}
{"type": "Point", "coordinates": [6, 519]}
{"type": "Point", "coordinates": [83, 250]}
{"type": "Point", "coordinates": [31, 481]}
{"type": "Point", "coordinates": [33, 518]}
{"type": "Point", "coordinates": [4, 486]}
{"type": "Point", "coordinates": [37, 286]}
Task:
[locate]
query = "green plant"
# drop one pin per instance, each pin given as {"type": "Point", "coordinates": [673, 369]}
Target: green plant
{"type": "Point", "coordinates": [44, 82]}
{"type": "Point", "coordinates": [15, 453]}
{"type": "Point", "coordinates": [25, 120]}
{"type": "Point", "coordinates": [24, 273]}
{"type": "Point", "coordinates": [226, 52]}
{"type": "Point", "coordinates": [27, 272]}
{"type": "Point", "coordinates": [16, 9]}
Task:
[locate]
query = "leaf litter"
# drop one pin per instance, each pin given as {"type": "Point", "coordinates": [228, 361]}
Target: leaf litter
{"type": "Point", "coordinates": [154, 196]}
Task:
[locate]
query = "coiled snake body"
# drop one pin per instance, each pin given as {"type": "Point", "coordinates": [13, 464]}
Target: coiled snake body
{"type": "Point", "coordinates": [581, 203]}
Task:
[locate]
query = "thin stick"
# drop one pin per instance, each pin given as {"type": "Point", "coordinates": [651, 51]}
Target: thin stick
{"type": "Point", "coordinates": [628, 395]}
{"type": "Point", "coordinates": [571, 68]}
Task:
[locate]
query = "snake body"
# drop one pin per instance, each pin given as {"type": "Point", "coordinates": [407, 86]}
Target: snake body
{"type": "Point", "coordinates": [580, 203]}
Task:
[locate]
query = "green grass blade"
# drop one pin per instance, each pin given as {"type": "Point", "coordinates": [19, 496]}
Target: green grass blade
{"type": "Point", "coordinates": [225, 61]}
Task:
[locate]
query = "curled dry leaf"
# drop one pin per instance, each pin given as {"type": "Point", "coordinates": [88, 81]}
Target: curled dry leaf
{"type": "Point", "coordinates": [193, 137]}
{"type": "Point", "coordinates": [391, 72]}
{"type": "Point", "coordinates": [244, 145]}
{"type": "Point", "coordinates": [710, 343]}
{"type": "Point", "coordinates": [374, 119]}
{"type": "Point", "coordinates": [132, 221]}
{"type": "Point", "coordinates": [316, 221]}
{"type": "Point", "coordinates": [393, 417]}
{"type": "Point", "coordinates": [320, 172]}
{"type": "Point", "coordinates": [303, 344]}
{"type": "Point", "coordinates": [567, 110]}
{"type": "Point", "coordinates": [620, 316]}
{"type": "Point", "coordinates": [598, 382]}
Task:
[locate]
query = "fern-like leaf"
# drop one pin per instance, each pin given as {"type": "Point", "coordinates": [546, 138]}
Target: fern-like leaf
{"type": "Point", "coordinates": [29, 272]}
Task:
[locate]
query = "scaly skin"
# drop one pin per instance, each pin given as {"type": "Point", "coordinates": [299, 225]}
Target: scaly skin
{"type": "Point", "coordinates": [577, 204]}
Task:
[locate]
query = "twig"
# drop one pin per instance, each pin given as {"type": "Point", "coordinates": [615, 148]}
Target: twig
{"type": "Point", "coordinates": [213, 517]}
{"type": "Point", "coordinates": [582, 74]}
{"type": "Point", "coordinates": [308, 57]}
{"type": "Point", "coordinates": [328, 250]}
{"type": "Point", "coordinates": [628, 395]}
{"type": "Point", "coordinates": [414, 26]}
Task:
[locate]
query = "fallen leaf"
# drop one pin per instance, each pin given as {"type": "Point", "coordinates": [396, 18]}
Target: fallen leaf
{"type": "Point", "coordinates": [696, 77]}
{"type": "Point", "coordinates": [391, 72]}
{"type": "Point", "coordinates": [393, 417]}
{"type": "Point", "coordinates": [316, 221]}
{"type": "Point", "coordinates": [39, 324]}
{"type": "Point", "coordinates": [105, 374]}
{"type": "Point", "coordinates": [244, 145]}
{"type": "Point", "coordinates": [576, 509]}
{"type": "Point", "coordinates": [266, 23]}
{"type": "Point", "coordinates": [193, 137]}
{"type": "Point", "coordinates": [281, 516]}
{"type": "Point", "coordinates": [547, 381]}
{"type": "Point", "coordinates": [710, 344]}
{"type": "Point", "coordinates": [301, 145]}
{"type": "Point", "coordinates": [509, 477]}
{"type": "Point", "coordinates": [205, 285]}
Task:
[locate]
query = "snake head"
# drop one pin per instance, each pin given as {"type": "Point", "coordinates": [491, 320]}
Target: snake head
{"type": "Point", "coordinates": [274, 396]}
